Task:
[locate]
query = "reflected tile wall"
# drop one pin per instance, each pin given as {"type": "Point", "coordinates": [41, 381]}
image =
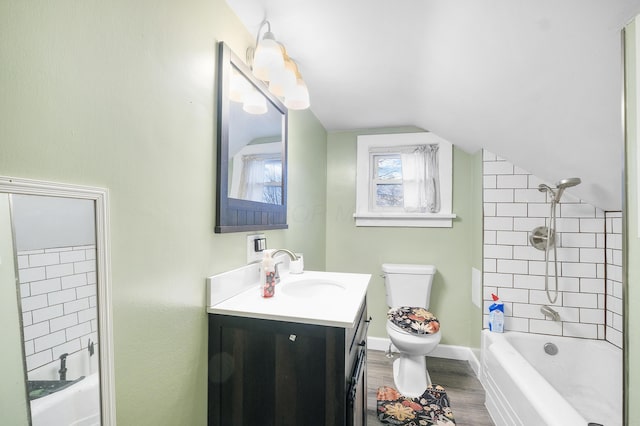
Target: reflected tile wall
{"type": "Point", "coordinates": [614, 278]}
{"type": "Point", "coordinates": [58, 296]}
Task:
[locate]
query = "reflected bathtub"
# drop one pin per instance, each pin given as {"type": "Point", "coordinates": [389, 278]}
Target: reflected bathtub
{"type": "Point", "coordinates": [524, 385]}
{"type": "Point", "coordinates": [75, 405]}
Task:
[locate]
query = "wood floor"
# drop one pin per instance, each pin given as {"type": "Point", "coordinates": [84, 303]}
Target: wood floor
{"type": "Point", "coordinates": [465, 392]}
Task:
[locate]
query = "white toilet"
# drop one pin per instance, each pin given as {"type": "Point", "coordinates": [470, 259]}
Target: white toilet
{"type": "Point", "coordinates": [412, 329]}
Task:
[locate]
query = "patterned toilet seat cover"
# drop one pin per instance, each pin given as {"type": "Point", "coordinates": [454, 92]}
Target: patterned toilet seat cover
{"type": "Point", "coordinates": [414, 320]}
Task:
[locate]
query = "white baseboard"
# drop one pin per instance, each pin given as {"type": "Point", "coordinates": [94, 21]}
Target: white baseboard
{"type": "Point", "coordinates": [378, 343]}
{"type": "Point", "coordinates": [461, 353]}
{"type": "Point", "coordinates": [474, 362]}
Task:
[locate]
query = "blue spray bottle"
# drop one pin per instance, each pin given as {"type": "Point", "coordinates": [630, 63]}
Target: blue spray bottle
{"type": "Point", "coordinates": [496, 315]}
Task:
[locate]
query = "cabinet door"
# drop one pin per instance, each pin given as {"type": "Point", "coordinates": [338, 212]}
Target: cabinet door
{"type": "Point", "coordinates": [302, 379]}
{"type": "Point", "coordinates": [277, 373]}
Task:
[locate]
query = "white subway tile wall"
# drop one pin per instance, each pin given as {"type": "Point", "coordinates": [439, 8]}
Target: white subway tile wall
{"type": "Point", "coordinates": [614, 278]}
{"type": "Point", "coordinates": [588, 247]}
{"type": "Point", "coordinates": [58, 295]}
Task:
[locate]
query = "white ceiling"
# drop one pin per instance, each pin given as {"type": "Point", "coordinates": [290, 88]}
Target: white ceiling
{"type": "Point", "coordinates": [538, 82]}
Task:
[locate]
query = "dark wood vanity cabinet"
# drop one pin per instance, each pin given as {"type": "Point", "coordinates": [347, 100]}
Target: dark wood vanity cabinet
{"type": "Point", "coordinates": [266, 372]}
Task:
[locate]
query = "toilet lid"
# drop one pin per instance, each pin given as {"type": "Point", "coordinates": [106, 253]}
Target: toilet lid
{"type": "Point", "coordinates": [414, 320]}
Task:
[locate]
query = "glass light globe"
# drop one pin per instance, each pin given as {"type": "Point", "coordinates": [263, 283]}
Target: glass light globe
{"type": "Point", "coordinates": [268, 59]}
{"type": "Point", "coordinates": [298, 96]}
{"type": "Point", "coordinates": [283, 80]}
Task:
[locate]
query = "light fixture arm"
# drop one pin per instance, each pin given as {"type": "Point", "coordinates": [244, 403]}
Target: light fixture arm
{"type": "Point", "coordinates": [262, 24]}
{"type": "Point", "coordinates": [251, 50]}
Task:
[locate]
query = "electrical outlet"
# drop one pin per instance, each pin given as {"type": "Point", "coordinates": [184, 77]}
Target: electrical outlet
{"type": "Point", "coordinates": [254, 254]}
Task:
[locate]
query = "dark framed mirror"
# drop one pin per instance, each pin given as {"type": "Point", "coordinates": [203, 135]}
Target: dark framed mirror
{"type": "Point", "coordinates": [251, 176]}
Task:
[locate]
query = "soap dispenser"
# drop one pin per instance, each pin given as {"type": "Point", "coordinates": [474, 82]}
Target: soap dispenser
{"type": "Point", "coordinates": [267, 275]}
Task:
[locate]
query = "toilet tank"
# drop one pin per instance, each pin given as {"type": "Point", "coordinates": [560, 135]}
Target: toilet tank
{"type": "Point", "coordinates": [408, 285]}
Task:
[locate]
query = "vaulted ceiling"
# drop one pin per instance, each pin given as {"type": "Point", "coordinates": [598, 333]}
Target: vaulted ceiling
{"type": "Point", "coordinates": [538, 82]}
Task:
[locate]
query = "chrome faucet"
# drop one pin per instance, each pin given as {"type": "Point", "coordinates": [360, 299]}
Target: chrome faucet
{"type": "Point", "coordinates": [550, 312]}
{"type": "Point", "coordinates": [291, 254]}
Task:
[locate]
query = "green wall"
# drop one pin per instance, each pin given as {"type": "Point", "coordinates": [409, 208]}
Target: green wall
{"type": "Point", "coordinates": [632, 295]}
{"type": "Point", "coordinates": [307, 189]}
{"type": "Point", "coordinates": [365, 249]}
{"type": "Point", "coordinates": [121, 95]}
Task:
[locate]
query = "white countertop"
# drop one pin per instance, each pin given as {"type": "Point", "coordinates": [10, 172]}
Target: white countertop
{"type": "Point", "coordinates": [336, 309]}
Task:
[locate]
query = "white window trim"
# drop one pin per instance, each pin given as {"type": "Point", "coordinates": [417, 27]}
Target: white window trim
{"type": "Point", "coordinates": [364, 216]}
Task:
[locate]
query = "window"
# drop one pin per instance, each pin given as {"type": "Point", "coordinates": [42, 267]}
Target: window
{"type": "Point", "coordinates": [404, 180]}
{"type": "Point", "coordinates": [386, 184]}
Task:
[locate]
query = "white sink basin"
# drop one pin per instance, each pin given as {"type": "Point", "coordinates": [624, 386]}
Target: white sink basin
{"type": "Point", "coordinates": [312, 288]}
{"type": "Point", "coordinates": [312, 297]}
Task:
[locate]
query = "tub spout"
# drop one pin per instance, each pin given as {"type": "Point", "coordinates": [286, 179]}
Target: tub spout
{"type": "Point", "coordinates": [550, 312]}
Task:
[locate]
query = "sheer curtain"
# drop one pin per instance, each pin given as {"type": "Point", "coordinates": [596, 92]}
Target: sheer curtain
{"type": "Point", "coordinates": [420, 179]}
{"type": "Point", "coordinates": [252, 179]}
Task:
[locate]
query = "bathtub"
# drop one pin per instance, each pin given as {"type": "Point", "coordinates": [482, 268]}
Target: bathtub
{"type": "Point", "coordinates": [526, 386]}
{"type": "Point", "coordinates": [76, 405]}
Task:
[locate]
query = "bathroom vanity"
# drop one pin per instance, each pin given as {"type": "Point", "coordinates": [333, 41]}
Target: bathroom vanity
{"type": "Point", "coordinates": [298, 358]}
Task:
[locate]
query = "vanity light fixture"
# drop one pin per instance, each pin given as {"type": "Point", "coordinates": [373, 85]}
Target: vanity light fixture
{"type": "Point", "coordinates": [270, 63]}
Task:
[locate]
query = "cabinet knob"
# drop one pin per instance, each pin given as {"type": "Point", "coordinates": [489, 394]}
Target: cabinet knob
{"type": "Point", "coordinates": [292, 337]}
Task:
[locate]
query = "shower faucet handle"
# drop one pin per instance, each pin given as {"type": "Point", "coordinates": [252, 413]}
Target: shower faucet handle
{"type": "Point", "coordinates": [63, 366]}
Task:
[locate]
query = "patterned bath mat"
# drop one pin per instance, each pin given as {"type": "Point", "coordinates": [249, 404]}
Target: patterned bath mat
{"type": "Point", "coordinates": [430, 409]}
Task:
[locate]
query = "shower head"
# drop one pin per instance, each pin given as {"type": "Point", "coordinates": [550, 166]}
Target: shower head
{"type": "Point", "coordinates": [545, 188]}
{"type": "Point", "coordinates": [564, 184]}
{"type": "Point", "coordinates": [549, 190]}
{"type": "Point", "coordinates": [568, 182]}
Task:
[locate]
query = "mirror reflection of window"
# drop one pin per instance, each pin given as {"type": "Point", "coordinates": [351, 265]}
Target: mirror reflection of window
{"type": "Point", "coordinates": [256, 173]}
{"type": "Point", "coordinates": [255, 144]}
{"type": "Point", "coordinates": [261, 179]}
{"type": "Point", "coordinates": [272, 191]}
